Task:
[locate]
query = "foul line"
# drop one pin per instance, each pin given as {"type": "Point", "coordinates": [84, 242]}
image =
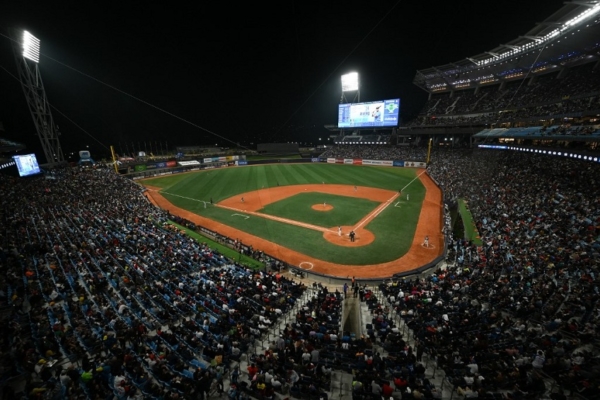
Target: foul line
{"type": "Point", "coordinates": [376, 212]}
{"type": "Point", "coordinates": [279, 219]}
{"type": "Point", "coordinates": [385, 205]}
{"type": "Point", "coordinates": [183, 197]}
{"type": "Point", "coordinates": [414, 179]}
{"type": "Point", "coordinates": [287, 221]}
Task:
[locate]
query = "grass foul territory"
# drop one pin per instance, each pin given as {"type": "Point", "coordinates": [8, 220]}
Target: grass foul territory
{"type": "Point", "coordinates": [471, 232]}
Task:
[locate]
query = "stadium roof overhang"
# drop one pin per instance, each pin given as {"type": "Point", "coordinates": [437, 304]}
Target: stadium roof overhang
{"type": "Point", "coordinates": [8, 146]}
{"type": "Point", "coordinates": [568, 37]}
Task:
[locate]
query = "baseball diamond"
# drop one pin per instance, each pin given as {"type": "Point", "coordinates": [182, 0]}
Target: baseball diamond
{"type": "Point", "coordinates": [298, 213]}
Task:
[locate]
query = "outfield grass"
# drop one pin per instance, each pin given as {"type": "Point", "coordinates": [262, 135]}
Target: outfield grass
{"type": "Point", "coordinates": [393, 228]}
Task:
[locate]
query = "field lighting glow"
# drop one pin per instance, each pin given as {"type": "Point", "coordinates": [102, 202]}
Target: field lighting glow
{"type": "Point", "coordinates": [350, 82]}
{"type": "Point", "coordinates": [31, 47]}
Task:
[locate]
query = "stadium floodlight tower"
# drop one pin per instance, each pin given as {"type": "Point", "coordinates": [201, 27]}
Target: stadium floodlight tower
{"type": "Point", "coordinates": [350, 84]}
{"type": "Point", "coordinates": [27, 54]}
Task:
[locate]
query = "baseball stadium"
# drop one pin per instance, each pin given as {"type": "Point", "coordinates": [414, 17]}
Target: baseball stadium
{"type": "Point", "coordinates": [455, 255]}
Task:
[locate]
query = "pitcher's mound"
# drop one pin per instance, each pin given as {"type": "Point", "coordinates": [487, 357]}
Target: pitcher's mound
{"type": "Point", "coordinates": [322, 207]}
{"type": "Point", "coordinates": [362, 236]}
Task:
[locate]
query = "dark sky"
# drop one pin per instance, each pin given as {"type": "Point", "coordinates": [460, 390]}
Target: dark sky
{"type": "Point", "coordinates": [222, 73]}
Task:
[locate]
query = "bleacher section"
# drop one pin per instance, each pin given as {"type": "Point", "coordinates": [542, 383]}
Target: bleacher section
{"type": "Point", "coordinates": [572, 93]}
{"type": "Point", "coordinates": [540, 132]}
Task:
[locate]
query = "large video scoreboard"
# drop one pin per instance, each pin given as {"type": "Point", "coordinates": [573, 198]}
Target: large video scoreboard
{"type": "Point", "coordinates": [372, 114]}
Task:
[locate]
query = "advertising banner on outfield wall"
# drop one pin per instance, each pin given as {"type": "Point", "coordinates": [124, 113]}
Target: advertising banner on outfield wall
{"type": "Point", "coordinates": [416, 164]}
{"type": "Point", "coordinates": [331, 160]}
{"type": "Point", "coordinates": [242, 162]}
{"type": "Point", "coordinates": [357, 161]}
{"type": "Point", "coordinates": [141, 167]}
{"type": "Point", "coordinates": [314, 160]}
{"type": "Point", "coordinates": [209, 160]}
{"type": "Point", "coordinates": [378, 162]}
{"type": "Point", "coordinates": [398, 163]}
{"type": "Point", "coordinates": [348, 161]}
{"type": "Point", "coordinates": [171, 164]}
{"type": "Point", "coordinates": [190, 162]}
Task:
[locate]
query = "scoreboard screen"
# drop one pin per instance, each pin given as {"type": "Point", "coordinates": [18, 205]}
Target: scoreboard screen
{"type": "Point", "coordinates": [27, 164]}
{"type": "Point", "coordinates": [372, 114]}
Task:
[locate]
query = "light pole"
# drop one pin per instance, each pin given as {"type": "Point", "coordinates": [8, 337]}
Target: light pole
{"type": "Point", "coordinates": [27, 55]}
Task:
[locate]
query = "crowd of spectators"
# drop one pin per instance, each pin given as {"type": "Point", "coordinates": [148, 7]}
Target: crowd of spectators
{"type": "Point", "coordinates": [94, 274]}
{"type": "Point", "coordinates": [375, 152]}
{"type": "Point", "coordinates": [524, 305]}
{"type": "Point", "coordinates": [519, 314]}
{"type": "Point", "coordinates": [96, 278]}
{"type": "Point", "coordinates": [545, 96]}
{"type": "Point", "coordinates": [516, 316]}
{"type": "Point", "coordinates": [293, 362]}
{"type": "Point", "coordinates": [532, 114]}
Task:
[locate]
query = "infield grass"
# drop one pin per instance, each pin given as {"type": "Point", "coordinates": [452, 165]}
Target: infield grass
{"type": "Point", "coordinates": [346, 210]}
{"type": "Point", "coordinates": [393, 228]}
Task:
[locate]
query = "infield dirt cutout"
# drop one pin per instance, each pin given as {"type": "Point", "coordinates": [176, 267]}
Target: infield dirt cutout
{"type": "Point", "coordinates": [429, 224]}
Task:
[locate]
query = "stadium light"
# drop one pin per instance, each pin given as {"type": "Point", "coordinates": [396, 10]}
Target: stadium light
{"type": "Point", "coordinates": [350, 82]}
{"type": "Point", "coordinates": [31, 47]}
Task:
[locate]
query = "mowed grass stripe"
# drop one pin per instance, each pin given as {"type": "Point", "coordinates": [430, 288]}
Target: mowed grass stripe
{"type": "Point", "coordinates": [230, 183]}
{"type": "Point", "coordinates": [295, 175]}
{"type": "Point", "coordinates": [262, 180]}
{"type": "Point", "coordinates": [355, 175]}
{"type": "Point", "coordinates": [280, 177]}
{"type": "Point", "coordinates": [169, 181]}
{"type": "Point", "coordinates": [350, 174]}
{"type": "Point", "coordinates": [311, 175]}
{"type": "Point", "coordinates": [271, 177]}
{"type": "Point", "coordinates": [333, 175]}
{"type": "Point", "coordinates": [327, 175]}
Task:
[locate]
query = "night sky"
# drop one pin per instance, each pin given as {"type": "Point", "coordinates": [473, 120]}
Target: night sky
{"type": "Point", "coordinates": [223, 73]}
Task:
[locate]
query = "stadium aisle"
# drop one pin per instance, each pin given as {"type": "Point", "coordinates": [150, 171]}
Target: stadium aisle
{"type": "Point", "coordinates": [341, 381]}
{"type": "Point", "coordinates": [436, 377]}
